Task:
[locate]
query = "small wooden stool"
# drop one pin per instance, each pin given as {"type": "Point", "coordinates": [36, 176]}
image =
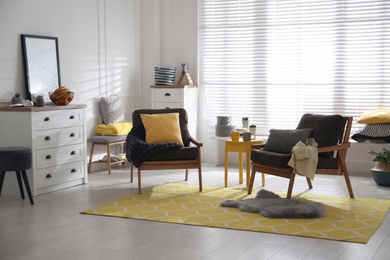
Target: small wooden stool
{"type": "Point", "coordinates": [107, 141]}
{"type": "Point", "coordinates": [16, 159]}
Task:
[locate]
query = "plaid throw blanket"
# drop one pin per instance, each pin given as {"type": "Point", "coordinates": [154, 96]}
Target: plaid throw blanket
{"type": "Point", "coordinates": [137, 150]}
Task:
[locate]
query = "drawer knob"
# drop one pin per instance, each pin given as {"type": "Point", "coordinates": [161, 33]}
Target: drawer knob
{"type": "Point", "coordinates": [73, 153]}
{"type": "Point", "coordinates": [47, 138]}
{"type": "Point", "coordinates": [46, 119]}
{"type": "Point", "coordinates": [167, 94]}
{"type": "Point", "coordinates": [73, 170]}
{"type": "Point", "coordinates": [71, 117]}
{"type": "Point", "coordinates": [48, 176]}
{"type": "Point", "coordinates": [48, 157]}
{"type": "Point", "coordinates": [72, 135]}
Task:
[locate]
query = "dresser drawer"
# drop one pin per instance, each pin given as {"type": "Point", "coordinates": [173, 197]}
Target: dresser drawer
{"type": "Point", "coordinates": [58, 137]}
{"type": "Point", "coordinates": [58, 156]}
{"type": "Point", "coordinates": [159, 105]}
{"type": "Point", "coordinates": [58, 119]}
{"type": "Point", "coordinates": [167, 95]}
{"type": "Point", "coordinates": [59, 174]}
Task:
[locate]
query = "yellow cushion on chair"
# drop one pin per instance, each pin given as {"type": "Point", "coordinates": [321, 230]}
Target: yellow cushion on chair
{"type": "Point", "coordinates": [162, 128]}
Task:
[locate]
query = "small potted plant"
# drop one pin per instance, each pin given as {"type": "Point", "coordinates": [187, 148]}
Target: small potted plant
{"type": "Point", "coordinates": [245, 122]}
{"type": "Point", "coordinates": [381, 170]}
{"type": "Point", "coordinates": [252, 129]}
{"type": "Point", "coordinates": [17, 99]}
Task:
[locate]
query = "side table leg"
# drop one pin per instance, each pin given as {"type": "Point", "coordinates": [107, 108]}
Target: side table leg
{"type": "Point", "coordinates": [248, 164]}
{"type": "Point", "coordinates": [226, 166]}
{"type": "Point", "coordinates": [240, 165]}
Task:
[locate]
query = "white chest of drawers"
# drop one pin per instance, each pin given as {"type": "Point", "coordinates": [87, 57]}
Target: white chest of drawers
{"type": "Point", "coordinates": [178, 96]}
{"type": "Point", "coordinates": [57, 137]}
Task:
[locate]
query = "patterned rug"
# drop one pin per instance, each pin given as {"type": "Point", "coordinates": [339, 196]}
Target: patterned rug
{"type": "Point", "coordinates": [352, 220]}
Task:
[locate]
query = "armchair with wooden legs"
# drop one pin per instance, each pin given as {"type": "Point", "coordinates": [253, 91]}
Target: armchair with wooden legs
{"type": "Point", "coordinates": [331, 132]}
{"type": "Point", "coordinates": [188, 156]}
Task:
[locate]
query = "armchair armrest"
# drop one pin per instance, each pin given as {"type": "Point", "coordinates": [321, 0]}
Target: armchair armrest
{"type": "Point", "coordinates": [257, 146]}
{"type": "Point", "coordinates": [334, 148]}
{"type": "Point", "coordinates": [195, 142]}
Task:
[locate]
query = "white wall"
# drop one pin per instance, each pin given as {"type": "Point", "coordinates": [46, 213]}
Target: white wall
{"type": "Point", "coordinates": [98, 45]}
{"type": "Point", "coordinates": [168, 36]}
{"type": "Point", "coordinates": [111, 47]}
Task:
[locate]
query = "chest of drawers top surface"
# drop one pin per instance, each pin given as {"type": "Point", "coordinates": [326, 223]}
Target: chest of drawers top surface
{"type": "Point", "coordinates": [38, 109]}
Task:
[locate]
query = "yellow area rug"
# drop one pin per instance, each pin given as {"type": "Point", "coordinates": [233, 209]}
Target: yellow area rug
{"type": "Point", "coordinates": [352, 220]}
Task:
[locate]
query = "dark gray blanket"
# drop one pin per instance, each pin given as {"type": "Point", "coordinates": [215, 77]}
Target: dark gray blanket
{"type": "Point", "coordinates": [271, 205]}
{"type": "Point", "coordinates": [137, 150]}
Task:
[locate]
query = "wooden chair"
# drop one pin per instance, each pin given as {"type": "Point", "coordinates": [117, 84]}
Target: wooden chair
{"type": "Point", "coordinates": [187, 157]}
{"type": "Point", "coordinates": [331, 159]}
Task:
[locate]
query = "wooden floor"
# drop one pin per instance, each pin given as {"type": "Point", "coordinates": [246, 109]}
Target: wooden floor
{"type": "Point", "coordinates": [54, 229]}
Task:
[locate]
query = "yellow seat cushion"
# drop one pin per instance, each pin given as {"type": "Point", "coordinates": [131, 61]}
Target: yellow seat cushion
{"type": "Point", "coordinates": [114, 129]}
{"type": "Point", "coordinates": [162, 128]}
{"type": "Point", "coordinates": [381, 116]}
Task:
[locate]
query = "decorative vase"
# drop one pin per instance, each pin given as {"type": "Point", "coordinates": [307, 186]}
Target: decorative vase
{"type": "Point", "coordinates": [381, 178]}
{"type": "Point", "coordinates": [245, 124]}
{"type": "Point", "coordinates": [17, 100]}
{"type": "Point", "coordinates": [184, 67]}
{"type": "Point", "coordinates": [252, 130]}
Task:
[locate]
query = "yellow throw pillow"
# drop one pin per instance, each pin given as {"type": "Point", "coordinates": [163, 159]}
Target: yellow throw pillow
{"type": "Point", "coordinates": [381, 116]}
{"type": "Point", "coordinates": [162, 128]}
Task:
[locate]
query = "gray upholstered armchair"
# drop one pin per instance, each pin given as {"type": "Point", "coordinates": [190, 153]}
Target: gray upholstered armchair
{"type": "Point", "coordinates": [331, 132]}
{"type": "Point", "coordinates": [149, 148]}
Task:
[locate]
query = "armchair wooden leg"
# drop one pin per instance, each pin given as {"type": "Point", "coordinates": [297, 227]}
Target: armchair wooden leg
{"type": "Point", "coordinates": [290, 185]}
{"type": "Point", "coordinates": [250, 187]}
{"type": "Point", "coordinates": [131, 172]}
{"type": "Point", "coordinates": [263, 179]}
{"type": "Point", "coordinates": [342, 155]}
{"type": "Point", "coordinates": [200, 178]}
{"type": "Point", "coordinates": [186, 178]}
{"type": "Point", "coordinates": [139, 180]}
{"type": "Point", "coordinates": [200, 171]}
{"type": "Point", "coordinates": [349, 186]}
{"type": "Point", "coordinates": [309, 183]}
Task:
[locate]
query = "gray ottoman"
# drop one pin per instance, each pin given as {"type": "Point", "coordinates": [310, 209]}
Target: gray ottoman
{"type": "Point", "coordinates": [16, 159]}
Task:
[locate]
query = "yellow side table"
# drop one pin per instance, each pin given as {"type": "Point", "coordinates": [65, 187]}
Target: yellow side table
{"type": "Point", "coordinates": [240, 147]}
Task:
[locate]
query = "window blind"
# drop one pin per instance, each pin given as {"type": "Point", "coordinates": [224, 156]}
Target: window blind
{"type": "Point", "coordinates": [274, 60]}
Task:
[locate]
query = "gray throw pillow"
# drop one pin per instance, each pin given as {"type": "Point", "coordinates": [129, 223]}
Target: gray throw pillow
{"type": "Point", "coordinates": [111, 109]}
{"type": "Point", "coordinates": [283, 140]}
